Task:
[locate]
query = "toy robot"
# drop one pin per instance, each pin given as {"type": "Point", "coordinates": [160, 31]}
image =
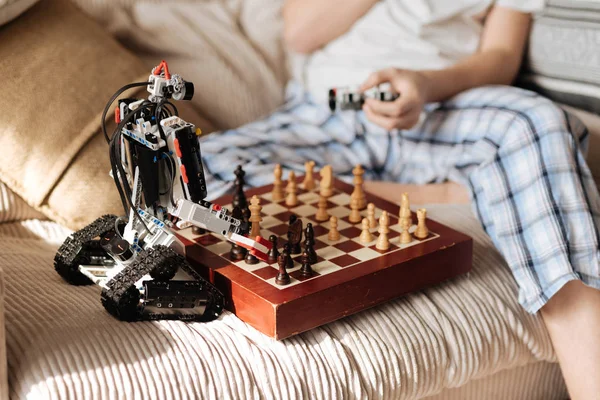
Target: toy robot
{"type": "Point", "coordinates": [157, 168]}
{"type": "Point", "coordinates": [346, 98]}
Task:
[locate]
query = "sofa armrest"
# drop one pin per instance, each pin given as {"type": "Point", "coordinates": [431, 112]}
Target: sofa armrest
{"type": "Point", "coordinates": [3, 361]}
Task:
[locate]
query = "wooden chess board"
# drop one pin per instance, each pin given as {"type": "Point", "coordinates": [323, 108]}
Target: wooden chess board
{"type": "Point", "coordinates": [349, 276]}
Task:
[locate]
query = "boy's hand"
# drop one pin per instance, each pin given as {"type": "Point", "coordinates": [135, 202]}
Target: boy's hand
{"type": "Point", "coordinates": [404, 112]}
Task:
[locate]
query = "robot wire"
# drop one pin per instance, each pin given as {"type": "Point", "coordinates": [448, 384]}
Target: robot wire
{"type": "Point", "coordinates": [112, 99]}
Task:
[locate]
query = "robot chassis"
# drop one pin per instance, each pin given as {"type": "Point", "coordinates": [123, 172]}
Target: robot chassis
{"type": "Point", "coordinates": [157, 168]}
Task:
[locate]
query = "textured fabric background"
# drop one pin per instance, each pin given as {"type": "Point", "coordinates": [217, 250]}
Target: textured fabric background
{"type": "Point", "coordinates": [62, 344]}
{"type": "Point", "coordinates": [11, 9]}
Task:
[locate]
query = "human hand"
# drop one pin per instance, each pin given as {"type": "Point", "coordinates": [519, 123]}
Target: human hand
{"type": "Point", "coordinates": [404, 112]}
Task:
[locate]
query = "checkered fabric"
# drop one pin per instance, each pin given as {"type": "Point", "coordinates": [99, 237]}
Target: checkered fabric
{"type": "Point", "coordinates": [520, 155]}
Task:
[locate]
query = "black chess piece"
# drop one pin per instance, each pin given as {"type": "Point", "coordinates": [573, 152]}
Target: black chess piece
{"type": "Point", "coordinates": [294, 234]}
{"type": "Point", "coordinates": [283, 278]}
{"type": "Point", "coordinates": [309, 243]}
{"type": "Point", "coordinates": [251, 258]}
{"type": "Point", "coordinates": [237, 252]}
{"type": "Point", "coordinates": [306, 269]}
{"type": "Point", "coordinates": [274, 252]}
{"type": "Point", "coordinates": [239, 197]}
{"type": "Point", "coordinates": [286, 251]}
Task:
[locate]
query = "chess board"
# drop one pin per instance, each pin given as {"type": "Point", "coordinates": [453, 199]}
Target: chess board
{"type": "Point", "coordinates": [349, 276]}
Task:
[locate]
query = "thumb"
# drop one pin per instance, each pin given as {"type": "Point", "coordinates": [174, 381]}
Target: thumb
{"type": "Point", "coordinates": [376, 78]}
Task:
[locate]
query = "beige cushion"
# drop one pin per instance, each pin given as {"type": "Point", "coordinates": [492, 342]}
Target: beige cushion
{"type": "Point", "coordinates": [11, 9]}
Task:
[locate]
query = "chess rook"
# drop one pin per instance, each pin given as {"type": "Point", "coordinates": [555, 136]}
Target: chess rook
{"type": "Point", "coordinates": [422, 231]}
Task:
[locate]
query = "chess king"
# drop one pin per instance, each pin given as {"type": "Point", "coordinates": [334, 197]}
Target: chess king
{"type": "Point", "coordinates": [157, 168]}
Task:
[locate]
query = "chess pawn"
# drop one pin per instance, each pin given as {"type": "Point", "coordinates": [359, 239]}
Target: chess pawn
{"type": "Point", "coordinates": [291, 199]}
{"type": "Point", "coordinates": [274, 252]}
{"type": "Point", "coordinates": [287, 253]}
{"type": "Point", "coordinates": [255, 217]}
{"type": "Point", "coordinates": [366, 236]}
{"type": "Point", "coordinates": [322, 210]}
{"type": "Point", "coordinates": [405, 236]}
{"type": "Point", "coordinates": [283, 278]}
{"type": "Point", "coordinates": [309, 180]}
{"type": "Point", "coordinates": [306, 269]}
{"type": "Point", "coordinates": [383, 242]}
{"type": "Point", "coordinates": [277, 193]}
{"type": "Point", "coordinates": [326, 181]}
{"type": "Point", "coordinates": [354, 216]}
{"type": "Point", "coordinates": [371, 215]}
{"type": "Point", "coordinates": [333, 234]}
{"type": "Point", "coordinates": [251, 258]}
{"type": "Point", "coordinates": [239, 198]}
{"type": "Point", "coordinates": [422, 231]}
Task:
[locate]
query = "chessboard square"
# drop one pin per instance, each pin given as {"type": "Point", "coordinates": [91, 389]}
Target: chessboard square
{"type": "Point", "coordinates": [344, 260]}
{"type": "Point", "coordinates": [298, 275]}
{"type": "Point", "coordinates": [284, 216]}
{"type": "Point", "coordinates": [219, 248]}
{"type": "Point", "coordinates": [339, 212]}
{"type": "Point", "coordinates": [396, 228]}
{"type": "Point", "coordinates": [348, 246]}
{"type": "Point", "coordinates": [393, 234]}
{"type": "Point", "coordinates": [365, 254]}
{"type": "Point", "coordinates": [329, 252]}
{"type": "Point", "coordinates": [298, 260]}
{"type": "Point", "coordinates": [272, 209]}
{"type": "Point", "coordinates": [207, 240]}
{"type": "Point", "coordinates": [279, 230]}
{"type": "Point", "coordinates": [325, 239]}
{"type": "Point", "coordinates": [326, 267]}
{"type": "Point", "coordinates": [351, 232]}
{"type": "Point", "coordinates": [308, 197]}
{"type": "Point", "coordinates": [319, 244]}
{"type": "Point", "coordinates": [269, 221]}
{"type": "Point", "coordinates": [341, 225]}
{"type": "Point", "coordinates": [304, 210]}
{"type": "Point", "coordinates": [250, 267]}
{"type": "Point", "coordinates": [320, 230]}
{"type": "Point", "coordinates": [340, 199]}
{"type": "Point", "coordinates": [267, 272]}
{"type": "Point", "coordinates": [267, 196]}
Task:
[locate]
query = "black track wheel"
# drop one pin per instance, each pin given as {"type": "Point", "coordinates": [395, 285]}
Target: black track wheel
{"type": "Point", "coordinates": [126, 308]}
{"type": "Point", "coordinates": [67, 260]}
{"type": "Point", "coordinates": [166, 261]}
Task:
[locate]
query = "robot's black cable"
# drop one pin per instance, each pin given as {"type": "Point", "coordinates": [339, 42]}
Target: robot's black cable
{"type": "Point", "coordinates": [112, 99]}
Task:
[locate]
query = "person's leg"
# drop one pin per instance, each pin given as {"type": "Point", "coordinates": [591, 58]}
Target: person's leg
{"type": "Point", "coordinates": [572, 317]}
{"type": "Point", "coordinates": [534, 194]}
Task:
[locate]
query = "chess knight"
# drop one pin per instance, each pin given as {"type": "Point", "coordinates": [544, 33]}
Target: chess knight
{"type": "Point", "coordinates": [157, 168]}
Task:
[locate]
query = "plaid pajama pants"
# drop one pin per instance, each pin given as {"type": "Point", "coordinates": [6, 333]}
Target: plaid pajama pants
{"type": "Point", "coordinates": [520, 155]}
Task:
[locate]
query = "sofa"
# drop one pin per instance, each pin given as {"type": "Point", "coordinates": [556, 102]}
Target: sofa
{"type": "Point", "coordinates": [463, 339]}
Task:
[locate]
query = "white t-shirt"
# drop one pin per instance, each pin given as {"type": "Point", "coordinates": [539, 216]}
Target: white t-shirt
{"type": "Point", "coordinates": [409, 34]}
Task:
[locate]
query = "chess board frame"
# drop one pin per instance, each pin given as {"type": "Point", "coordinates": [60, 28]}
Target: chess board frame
{"type": "Point", "coordinates": [283, 311]}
